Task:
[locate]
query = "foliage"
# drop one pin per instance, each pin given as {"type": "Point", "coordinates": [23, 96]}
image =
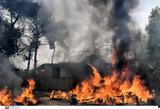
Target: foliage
{"type": "Point", "coordinates": [153, 29]}
{"type": "Point", "coordinates": [11, 33]}
{"type": "Point", "coordinates": [9, 39]}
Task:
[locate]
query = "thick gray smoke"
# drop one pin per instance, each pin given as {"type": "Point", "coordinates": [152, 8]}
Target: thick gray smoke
{"type": "Point", "coordinates": [78, 27]}
{"type": "Point", "coordinates": [119, 21]}
{"type": "Point", "coordinates": [86, 27]}
{"type": "Point", "coordinates": [8, 78]}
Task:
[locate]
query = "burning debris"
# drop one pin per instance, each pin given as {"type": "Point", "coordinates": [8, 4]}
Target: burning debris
{"type": "Point", "coordinates": [27, 97]}
{"type": "Point", "coordinates": [72, 38]}
{"type": "Point", "coordinates": [107, 90]}
{"type": "Point", "coordinates": [6, 97]}
{"type": "Point", "coordinates": [114, 89]}
{"type": "Point", "coordinates": [59, 95]}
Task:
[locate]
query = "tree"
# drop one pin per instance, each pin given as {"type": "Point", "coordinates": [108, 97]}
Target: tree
{"type": "Point", "coordinates": [38, 32]}
{"type": "Point", "coordinates": [153, 47]}
{"type": "Point", "coordinates": [21, 11]}
{"type": "Point", "coordinates": [153, 29]}
{"type": "Point", "coordinates": [18, 10]}
{"type": "Point", "coordinates": [9, 39]}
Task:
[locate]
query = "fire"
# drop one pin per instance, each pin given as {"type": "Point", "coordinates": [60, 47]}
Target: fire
{"type": "Point", "coordinates": [59, 95]}
{"type": "Point", "coordinates": [114, 89]}
{"type": "Point", "coordinates": [97, 87]}
{"type": "Point", "coordinates": [27, 95]}
{"type": "Point", "coordinates": [108, 89]}
{"type": "Point", "coordinates": [6, 97]}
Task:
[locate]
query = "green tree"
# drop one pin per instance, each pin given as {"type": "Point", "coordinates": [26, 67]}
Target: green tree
{"type": "Point", "coordinates": [24, 12]}
{"type": "Point", "coordinates": [12, 31]}
{"type": "Point", "coordinates": [153, 30]}
{"type": "Point", "coordinates": [153, 48]}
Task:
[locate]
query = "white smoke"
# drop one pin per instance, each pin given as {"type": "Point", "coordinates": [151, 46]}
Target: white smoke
{"type": "Point", "coordinates": [78, 28]}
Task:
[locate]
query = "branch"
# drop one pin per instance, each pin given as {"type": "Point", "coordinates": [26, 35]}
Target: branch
{"type": "Point", "coordinates": [11, 17]}
{"type": "Point", "coordinates": [17, 18]}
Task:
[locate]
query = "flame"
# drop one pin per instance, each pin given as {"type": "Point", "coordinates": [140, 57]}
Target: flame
{"type": "Point", "coordinates": [109, 89]}
{"type": "Point", "coordinates": [27, 95]}
{"type": "Point", "coordinates": [98, 87]}
{"type": "Point", "coordinates": [59, 95]}
{"type": "Point", "coordinates": [85, 90]}
{"type": "Point", "coordinates": [117, 88]}
{"type": "Point", "coordinates": [6, 97]}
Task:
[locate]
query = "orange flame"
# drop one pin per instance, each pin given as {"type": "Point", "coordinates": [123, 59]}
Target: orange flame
{"type": "Point", "coordinates": [59, 95]}
{"type": "Point", "coordinates": [27, 95]}
{"type": "Point", "coordinates": [116, 88]}
{"type": "Point", "coordinates": [97, 87]}
{"type": "Point", "coordinates": [6, 97]}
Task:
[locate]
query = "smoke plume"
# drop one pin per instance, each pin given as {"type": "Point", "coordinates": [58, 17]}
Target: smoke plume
{"type": "Point", "coordinates": [8, 78]}
{"type": "Point", "coordinates": [77, 26]}
{"type": "Point", "coordinates": [119, 21]}
{"type": "Point", "coordinates": [86, 27]}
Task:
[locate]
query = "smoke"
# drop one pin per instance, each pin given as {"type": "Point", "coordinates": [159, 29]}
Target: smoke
{"type": "Point", "coordinates": [119, 21]}
{"type": "Point", "coordinates": [85, 27]}
{"type": "Point", "coordinates": [8, 78]}
{"type": "Point", "coordinates": [78, 27]}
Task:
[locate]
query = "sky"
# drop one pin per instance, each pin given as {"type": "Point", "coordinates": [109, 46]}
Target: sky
{"type": "Point", "coordinates": [142, 12]}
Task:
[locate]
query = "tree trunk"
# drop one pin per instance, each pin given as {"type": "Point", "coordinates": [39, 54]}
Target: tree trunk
{"type": "Point", "coordinates": [53, 56]}
{"type": "Point", "coordinates": [37, 36]}
{"type": "Point", "coordinates": [29, 58]}
{"type": "Point", "coordinates": [35, 56]}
